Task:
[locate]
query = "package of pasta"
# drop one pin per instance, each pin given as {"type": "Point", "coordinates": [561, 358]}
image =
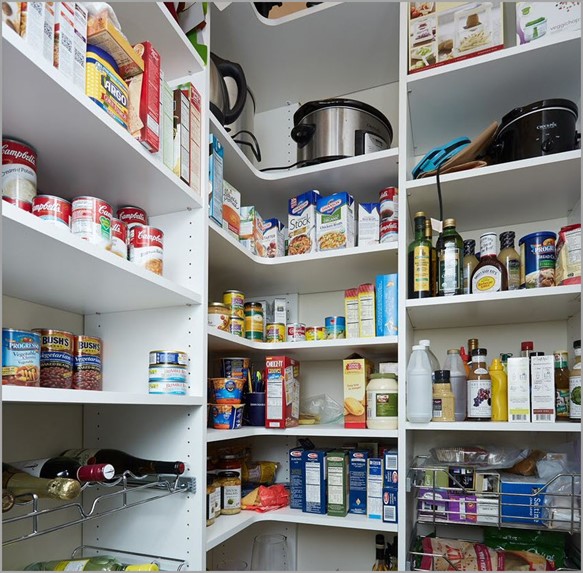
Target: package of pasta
{"type": "Point", "coordinates": [259, 472]}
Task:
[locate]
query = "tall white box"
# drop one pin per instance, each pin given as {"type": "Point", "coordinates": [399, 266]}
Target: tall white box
{"type": "Point", "coordinates": [518, 390]}
{"type": "Point", "coordinates": [542, 399]}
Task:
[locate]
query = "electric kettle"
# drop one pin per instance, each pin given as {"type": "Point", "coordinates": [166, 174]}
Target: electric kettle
{"type": "Point", "coordinates": [219, 96]}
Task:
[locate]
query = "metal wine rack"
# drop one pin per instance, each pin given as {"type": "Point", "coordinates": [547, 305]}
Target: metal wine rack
{"type": "Point", "coordinates": [163, 563]}
{"type": "Point", "coordinates": [126, 491]}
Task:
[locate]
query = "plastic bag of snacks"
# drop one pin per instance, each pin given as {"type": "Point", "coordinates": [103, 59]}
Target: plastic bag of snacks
{"type": "Point", "coordinates": [264, 499]}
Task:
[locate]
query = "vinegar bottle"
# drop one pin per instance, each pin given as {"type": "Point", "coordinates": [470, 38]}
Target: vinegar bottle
{"type": "Point", "coordinates": [562, 385]}
{"type": "Point", "coordinates": [499, 391]}
{"type": "Point", "coordinates": [479, 388]}
{"type": "Point", "coordinates": [419, 392]}
{"type": "Point", "coordinates": [458, 380]}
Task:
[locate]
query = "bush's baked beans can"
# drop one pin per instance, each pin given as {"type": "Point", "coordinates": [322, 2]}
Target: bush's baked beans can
{"type": "Point", "coordinates": [52, 209]}
{"type": "Point", "coordinates": [237, 325]}
{"type": "Point", "coordinates": [234, 300]}
{"type": "Point", "coordinates": [296, 332]}
{"type": "Point", "coordinates": [147, 248]}
{"type": "Point", "coordinates": [91, 220]}
{"type": "Point", "coordinates": [275, 332]}
{"type": "Point", "coordinates": [172, 357]}
{"type": "Point", "coordinates": [87, 363]}
{"type": "Point", "coordinates": [24, 205]}
{"type": "Point", "coordinates": [18, 169]}
{"type": "Point", "coordinates": [254, 321]}
{"type": "Point", "coordinates": [389, 200]}
{"type": "Point", "coordinates": [335, 327]}
{"type": "Point", "coordinates": [56, 358]}
{"type": "Point", "coordinates": [20, 357]}
{"type": "Point", "coordinates": [119, 238]}
{"type": "Point", "coordinates": [315, 333]}
{"type": "Point", "coordinates": [131, 216]}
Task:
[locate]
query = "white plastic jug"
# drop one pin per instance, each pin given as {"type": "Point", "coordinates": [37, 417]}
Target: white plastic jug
{"type": "Point", "coordinates": [419, 390]}
{"type": "Point", "coordinates": [458, 379]}
{"type": "Point", "coordinates": [432, 358]}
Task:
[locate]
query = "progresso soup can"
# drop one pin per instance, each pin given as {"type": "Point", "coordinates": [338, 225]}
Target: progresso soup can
{"type": "Point", "coordinates": [20, 357]}
{"type": "Point", "coordinates": [537, 260]}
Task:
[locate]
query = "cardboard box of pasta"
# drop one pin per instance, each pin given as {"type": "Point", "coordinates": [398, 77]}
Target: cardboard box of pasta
{"type": "Point", "coordinates": [445, 32]}
{"type": "Point", "coordinates": [337, 478]}
{"type": "Point", "coordinates": [282, 408]}
{"type": "Point", "coordinates": [356, 373]}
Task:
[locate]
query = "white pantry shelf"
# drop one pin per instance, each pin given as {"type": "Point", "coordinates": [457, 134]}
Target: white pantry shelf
{"type": "Point", "coordinates": [50, 266]}
{"type": "Point", "coordinates": [547, 187]}
{"type": "Point", "coordinates": [363, 176]}
{"type": "Point", "coordinates": [68, 396]}
{"type": "Point", "coordinates": [303, 274]}
{"type": "Point", "coordinates": [324, 430]}
{"type": "Point", "coordinates": [81, 150]}
{"type": "Point", "coordinates": [228, 525]}
{"type": "Point", "coordinates": [152, 21]}
{"type": "Point", "coordinates": [508, 307]}
{"type": "Point", "coordinates": [495, 427]}
{"type": "Point", "coordinates": [384, 347]}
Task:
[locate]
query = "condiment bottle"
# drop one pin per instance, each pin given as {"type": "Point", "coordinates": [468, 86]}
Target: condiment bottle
{"type": "Point", "coordinates": [432, 259]}
{"type": "Point", "coordinates": [472, 345]}
{"type": "Point", "coordinates": [458, 381]}
{"type": "Point", "coordinates": [562, 376]}
{"type": "Point", "coordinates": [499, 391]}
{"type": "Point", "coordinates": [469, 264]}
{"type": "Point", "coordinates": [419, 392]}
{"type": "Point", "coordinates": [575, 385]}
{"type": "Point", "coordinates": [526, 348]}
{"type": "Point", "coordinates": [479, 388]}
{"type": "Point", "coordinates": [443, 398]}
{"type": "Point", "coordinates": [450, 260]}
{"type": "Point", "coordinates": [490, 275]}
{"type": "Point", "coordinates": [510, 259]}
{"type": "Point", "coordinates": [382, 396]}
{"type": "Point", "coordinates": [504, 356]}
{"type": "Point", "coordinates": [419, 261]}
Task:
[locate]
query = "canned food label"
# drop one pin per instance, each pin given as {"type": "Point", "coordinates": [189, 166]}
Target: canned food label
{"type": "Point", "coordinates": [167, 373]}
{"type": "Point", "coordinates": [52, 209]}
{"type": "Point", "coordinates": [176, 358]}
{"type": "Point", "coordinates": [119, 238]}
{"type": "Point", "coordinates": [220, 321]}
{"type": "Point", "coordinates": [132, 216]}
{"type": "Point", "coordinates": [236, 326]}
{"type": "Point", "coordinates": [20, 357]}
{"type": "Point", "coordinates": [146, 248]}
{"type": "Point", "coordinates": [167, 387]}
{"type": "Point", "coordinates": [24, 205]}
{"type": "Point", "coordinates": [389, 230]}
{"type": "Point", "coordinates": [235, 301]}
{"type": "Point", "coordinates": [275, 333]}
{"type": "Point", "coordinates": [92, 220]}
{"type": "Point", "coordinates": [296, 332]}
{"type": "Point", "coordinates": [18, 170]}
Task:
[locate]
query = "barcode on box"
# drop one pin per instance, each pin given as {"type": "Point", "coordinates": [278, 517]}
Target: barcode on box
{"type": "Point", "coordinates": [389, 513]}
{"type": "Point", "coordinates": [543, 418]}
{"type": "Point", "coordinates": [518, 417]}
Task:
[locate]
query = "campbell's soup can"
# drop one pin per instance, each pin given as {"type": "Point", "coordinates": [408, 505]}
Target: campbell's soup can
{"type": "Point", "coordinates": [147, 248]}
{"type": "Point", "coordinates": [18, 169]}
{"type": "Point", "coordinates": [53, 209]}
{"type": "Point", "coordinates": [24, 205]}
{"type": "Point", "coordinates": [119, 238]}
{"type": "Point", "coordinates": [131, 216]}
{"type": "Point", "coordinates": [296, 332]}
{"type": "Point", "coordinates": [275, 332]}
{"type": "Point", "coordinates": [91, 220]}
{"type": "Point", "coordinates": [389, 201]}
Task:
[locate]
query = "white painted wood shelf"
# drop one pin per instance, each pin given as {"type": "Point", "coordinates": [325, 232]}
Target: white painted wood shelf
{"type": "Point", "coordinates": [81, 150]}
{"type": "Point", "coordinates": [495, 427]}
{"type": "Point", "coordinates": [384, 347]}
{"type": "Point", "coordinates": [303, 274]}
{"type": "Point", "coordinates": [68, 273]}
{"type": "Point", "coordinates": [500, 308]}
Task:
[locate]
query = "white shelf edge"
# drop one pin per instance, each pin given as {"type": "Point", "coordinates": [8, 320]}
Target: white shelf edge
{"type": "Point", "coordinates": [37, 225]}
{"type": "Point", "coordinates": [67, 85]}
{"type": "Point", "coordinates": [294, 15]}
{"type": "Point", "coordinates": [500, 54]}
{"type": "Point", "coordinates": [495, 427]}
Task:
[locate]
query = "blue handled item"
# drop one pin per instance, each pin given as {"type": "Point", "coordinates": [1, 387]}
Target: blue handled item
{"type": "Point", "coordinates": [439, 155]}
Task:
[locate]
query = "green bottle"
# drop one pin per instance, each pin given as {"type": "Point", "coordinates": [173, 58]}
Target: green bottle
{"type": "Point", "coordinates": [98, 563]}
{"type": "Point", "coordinates": [419, 261]}
{"type": "Point", "coordinates": [450, 254]}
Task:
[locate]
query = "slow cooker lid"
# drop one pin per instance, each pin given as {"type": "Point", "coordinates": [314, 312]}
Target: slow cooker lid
{"type": "Point", "coordinates": [518, 112]}
{"type": "Point", "coordinates": [312, 106]}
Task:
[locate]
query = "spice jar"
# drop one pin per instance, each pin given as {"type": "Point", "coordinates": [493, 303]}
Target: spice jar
{"type": "Point", "coordinates": [213, 499]}
{"type": "Point", "coordinates": [231, 492]}
{"type": "Point", "coordinates": [443, 398]}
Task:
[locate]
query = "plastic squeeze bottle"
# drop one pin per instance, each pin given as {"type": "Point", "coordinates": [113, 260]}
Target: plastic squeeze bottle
{"type": "Point", "coordinates": [419, 390]}
{"type": "Point", "coordinates": [499, 391]}
{"type": "Point", "coordinates": [458, 380]}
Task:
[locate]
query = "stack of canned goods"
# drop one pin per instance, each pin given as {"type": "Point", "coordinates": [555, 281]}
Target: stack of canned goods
{"type": "Point", "coordinates": [168, 372]}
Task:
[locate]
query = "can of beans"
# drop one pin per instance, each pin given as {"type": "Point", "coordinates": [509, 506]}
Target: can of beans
{"type": "Point", "coordinates": [172, 357]}
{"type": "Point", "coordinates": [91, 220]}
{"type": "Point", "coordinates": [20, 357]}
{"type": "Point", "coordinates": [315, 333]}
{"type": "Point", "coordinates": [275, 332]}
{"type": "Point", "coordinates": [56, 358]}
{"type": "Point", "coordinates": [52, 209]}
{"type": "Point", "coordinates": [18, 169]}
{"type": "Point", "coordinates": [389, 200]}
{"type": "Point", "coordinates": [254, 321]}
{"type": "Point", "coordinates": [296, 332]}
{"type": "Point", "coordinates": [236, 325]}
{"type": "Point", "coordinates": [24, 205]}
{"type": "Point", "coordinates": [131, 216]}
{"type": "Point", "coordinates": [167, 379]}
{"type": "Point", "coordinates": [88, 363]}
{"type": "Point", "coordinates": [235, 367]}
{"type": "Point", "coordinates": [147, 248]}
{"type": "Point", "coordinates": [119, 238]}
{"type": "Point", "coordinates": [234, 300]}
{"type": "Point", "coordinates": [335, 327]}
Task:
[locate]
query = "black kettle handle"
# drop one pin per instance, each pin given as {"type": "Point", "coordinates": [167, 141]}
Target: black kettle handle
{"type": "Point", "coordinates": [254, 145]}
{"type": "Point", "coordinates": [302, 133]}
{"type": "Point", "coordinates": [231, 70]}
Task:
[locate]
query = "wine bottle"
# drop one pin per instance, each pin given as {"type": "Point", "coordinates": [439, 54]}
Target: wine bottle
{"type": "Point", "coordinates": [98, 563]}
{"type": "Point", "coordinates": [7, 500]}
{"type": "Point", "coordinates": [63, 467]}
{"type": "Point", "coordinates": [124, 462]}
{"type": "Point", "coordinates": [20, 483]}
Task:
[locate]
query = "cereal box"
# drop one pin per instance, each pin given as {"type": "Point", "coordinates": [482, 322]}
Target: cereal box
{"type": "Point", "coordinates": [351, 313]}
{"type": "Point", "coordinates": [11, 15]}
{"type": "Point", "coordinates": [445, 32]}
{"type": "Point", "coordinates": [335, 221]}
{"type": "Point", "coordinates": [282, 408]}
{"type": "Point", "coordinates": [231, 209]}
{"type": "Point", "coordinates": [357, 371]}
{"type": "Point", "coordinates": [182, 136]}
{"type": "Point", "coordinates": [374, 488]}
{"type": "Point", "coordinates": [369, 224]}
{"type": "Point", "coordinates": [273, 238]}
{"type": "Point", "coordinates": [216, 180]}
{"type": "Point", "coordinates": [37, 22]}
{"type": "Point", "coordinates": [64, 53]}
{"type": "Point", "coordinates": [542, 395]}
{"type": "Point", "coordinates": [195, 134]}
{"type": "Point", "coordinates": [80, 45]}
{"type": "Point", "coordinates": [167, 125]}
{"type": "Point", "coordinates": [315, 478]}
{"type": "Point", "coordinates": [536, 20]}
{"type": "Point", "coordinates": [337, 480]}
{"type": "Point", "coordinates": [366, 311]}
{"type": "Point", "coordinates": [357, 467]}
{"type": "Point", "coordinates": [149, 135]}
{"type": "Point", "coordinates": [296, 478]}
{"type": "Point", "coordinates": [387, 306]}
{"type": "Point", "coordinates": [301, 222]}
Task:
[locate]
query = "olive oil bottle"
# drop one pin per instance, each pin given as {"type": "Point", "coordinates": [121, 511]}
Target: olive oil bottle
{"type": "Point", "coordinates": [419, 261]}
{"type": "Point", "coordinates": [450, 260]}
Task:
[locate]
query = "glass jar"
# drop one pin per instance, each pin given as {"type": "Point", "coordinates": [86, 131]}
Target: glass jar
{"type": "Point", "coordinates": [230, 462]}
{"type": "Point", "coordinates": [218, 316]}
{"type": "Point", "coordinates": [213, 499]}
{"type": "Point", "coordinates": [231, 492]}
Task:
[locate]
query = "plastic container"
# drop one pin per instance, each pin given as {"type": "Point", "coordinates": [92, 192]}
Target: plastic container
{"type": "Point", "coordinates": [382, 393]}
{"type": "Point", "coordinates": [443, 398]}
{"type": "Point", "coordinates": [432, 358]}
{"type": "Point", "coordinates": [419, 392]}
{"type": "Point", "coordinates": [458, 381]}
{"type": "Point", "coordinates": [227, 390]}
{"type": "Point", "coordinates": [226, 416]}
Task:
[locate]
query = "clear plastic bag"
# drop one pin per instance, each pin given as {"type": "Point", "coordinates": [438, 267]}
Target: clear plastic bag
{"type": "Point", "coordinates": [320, 409]}
{"type": "Point", "coordinates": [102, 10]}
{"type": "Point", "coordinates": [486, 457]}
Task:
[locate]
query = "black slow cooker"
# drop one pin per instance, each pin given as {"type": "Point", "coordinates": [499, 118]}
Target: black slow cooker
{"type": "Point", "coordinates": [538, 129]}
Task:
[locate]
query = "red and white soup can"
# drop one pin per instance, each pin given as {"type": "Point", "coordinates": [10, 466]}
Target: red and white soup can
{"type": "Point", "coordinates": [91, 220]}
{"type": "Point", "coordinates": [131, 216]}
{"type": "Point", "coordinates": [24, 205]}
{"type": "Point", "coordinates": [147, 248]}
{"type": "Point", "coordinates": [18, 170]}
{"type": "Point", "coordinates": [119, 238]}
{"type": "Point", "coordinates": [53, 209]}
{"type": "Point", "coordinates": [389, 200]}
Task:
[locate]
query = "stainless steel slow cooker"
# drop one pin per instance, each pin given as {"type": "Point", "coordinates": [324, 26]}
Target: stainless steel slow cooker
{"type": "Point", "coordinates": [336, 128]}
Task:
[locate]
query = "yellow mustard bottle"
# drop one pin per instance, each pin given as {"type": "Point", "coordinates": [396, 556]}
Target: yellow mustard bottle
{"type": "Point", "coordinates": [499, 391]}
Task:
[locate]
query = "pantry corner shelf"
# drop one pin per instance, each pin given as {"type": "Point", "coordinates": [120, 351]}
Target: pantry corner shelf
{"type": "Point", "coordinates": [508, 307]}
{"type": "Point", "coordinates": [81, 149]}
{"type": "Point", "coordinates": [543, 427]}
{"type": "Point", "coordinates": [383, 347]}
{"type": "Point", "coordinates": [303, 274]}
{"type": "Point", "coordinates": [228, 525]}
{"type": "Point", "coordinates": [69, 273]}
